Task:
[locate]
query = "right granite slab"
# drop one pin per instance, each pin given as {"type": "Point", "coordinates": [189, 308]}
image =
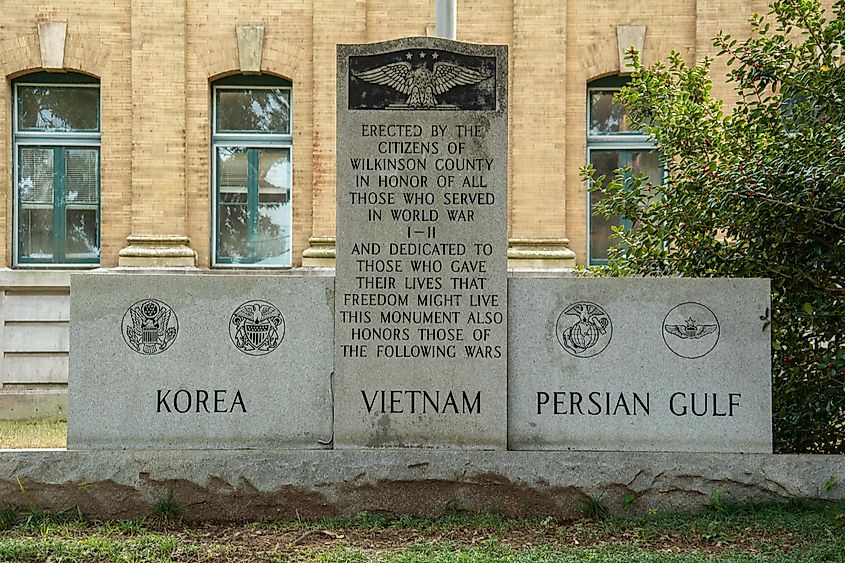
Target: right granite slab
{"type": "Point", "coordinates": [639, 364]}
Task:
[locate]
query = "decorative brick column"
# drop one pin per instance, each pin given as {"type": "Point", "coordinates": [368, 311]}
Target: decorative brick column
{"type": "Point", "coordinates": [159, 206]}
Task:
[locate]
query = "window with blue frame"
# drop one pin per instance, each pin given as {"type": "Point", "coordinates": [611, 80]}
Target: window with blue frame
{"type": "Point", "coordinates": [56, 135]}
{"type": "Point", "coordinates": [251, 176]}
{"type": "Point", "coordinates": [612, 144]}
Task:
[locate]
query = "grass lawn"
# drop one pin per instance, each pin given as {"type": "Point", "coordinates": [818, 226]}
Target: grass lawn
{"type": "Point", "coordinates": [33, 434]}
{"type": "Point", "coordinates": [796, 531]}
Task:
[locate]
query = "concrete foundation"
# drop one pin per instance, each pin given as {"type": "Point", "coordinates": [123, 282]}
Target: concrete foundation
{"type": "Point", "coordinates": [238, 485]}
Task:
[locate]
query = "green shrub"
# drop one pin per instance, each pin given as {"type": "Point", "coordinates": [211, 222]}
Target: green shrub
{"type": "Point", "coordinates": [756, 191]}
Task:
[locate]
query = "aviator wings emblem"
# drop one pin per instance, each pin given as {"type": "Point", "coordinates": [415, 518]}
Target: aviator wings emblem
{"type": "Point", "coordinates": [420, 84]}
{"type": "Point", "coordinates": [690, 329]}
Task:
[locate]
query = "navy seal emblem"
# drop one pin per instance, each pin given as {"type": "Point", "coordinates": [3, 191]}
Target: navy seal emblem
{"type": "Point", "coordinates": [149, 327]}
{"type": "Point", "coordinates": [589, 335]}
{"type": "Point", "coordinates": [690, 330]}
{"type": "Point", "coordinates": [257, 328]}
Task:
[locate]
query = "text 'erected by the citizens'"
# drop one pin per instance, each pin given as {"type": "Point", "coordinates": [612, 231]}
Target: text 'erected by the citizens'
{"type": "Point", "coordinates": [418, 292]}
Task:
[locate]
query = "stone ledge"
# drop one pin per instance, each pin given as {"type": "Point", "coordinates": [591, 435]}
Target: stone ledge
{"type": "Point", "coordinates": [36, 278]}
{"type": "Point", "coordinates": [540, 254]}
{"type": "Point", "coordinates": [320, 254]}
{"type": "Point", "coordinates": [157, 250]}
{"type": "Point", "coordinates": [27, 405]}
{"type": "Point", "coordinates": [258, 484]}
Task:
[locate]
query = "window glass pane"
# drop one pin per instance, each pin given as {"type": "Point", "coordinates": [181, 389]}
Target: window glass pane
{"type": "Point", "coordinates": [35, 184]}
{"type": "Point", "coordinates": [605, 162]}
{"type": "Point", "coordinates": [265, 110]}
{"type": "Point", "coordinates": [606, 116]}
{"type": "Point", "coordinates": [58, 108]}
{"type": "Point", "coordinates": [232, 165]}
{"type": "Point", "coordinates": [272, 245]}
{"type": "Point", "coordinates": [81, 232]}
{"type": "Point", "coordinates": [644, 161]}
{"type": "Point", "coordinates": [233, 236]}
{"type": "Point", "coordinates": [81, 170]}
{"type": "Point", "coordinates": [273, 173]}
{"type": "Point", "coordinates": [232, 179]}
{"type": "Point", "coordinates": [36, 231]}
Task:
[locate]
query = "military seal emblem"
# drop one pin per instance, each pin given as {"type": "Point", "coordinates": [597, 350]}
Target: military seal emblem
{"type": "Point", "coordinates": [149, 327]}
{"type": "Point", "coordinates": [691, 330]}
{"type": "Point", "coordinates": [256, 328]}
{"type": "Point", "coordinates": [587, 336]}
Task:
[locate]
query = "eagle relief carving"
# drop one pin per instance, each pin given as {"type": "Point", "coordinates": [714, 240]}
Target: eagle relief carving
{"type": "Point", "coordinates": [425, 80]}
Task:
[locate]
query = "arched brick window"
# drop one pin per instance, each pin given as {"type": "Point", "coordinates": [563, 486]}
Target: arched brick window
{"type": "Point", "coordinates": [57, 169]}
{"type": "Point", "coordinates": [251, 171]}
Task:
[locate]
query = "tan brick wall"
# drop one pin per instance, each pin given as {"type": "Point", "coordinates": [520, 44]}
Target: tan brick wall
{"type": "Point", "coordinates": [591, 53]}
{"type": "Point", "coordinates": [335, 21]}
{"type": "Point", "coordinates": [157, 58]}
{"type": "Point", "coordinates": [158, 117]}
{"type": "Point", "coordinates": [213, 53]}
{"type": "Point", "coordinates": [538, 122]}
{"type": "Point", "coordinates": [97, 43]}
{"type": "Point", "coordinates": [712, 17]}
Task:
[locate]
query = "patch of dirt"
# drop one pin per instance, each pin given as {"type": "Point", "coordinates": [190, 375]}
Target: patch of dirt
{"type": "Point", "coordinates": [291, 542]}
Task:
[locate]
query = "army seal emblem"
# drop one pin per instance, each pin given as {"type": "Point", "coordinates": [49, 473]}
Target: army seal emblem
{"type": "Point", "coordinates": [589, 335]}
{"type": "Point", "coordinates": [257, 328]}
{"type": "Point", "coordinates": [691, 330]}
{"type": "Point", "coordinates": [149, 327]}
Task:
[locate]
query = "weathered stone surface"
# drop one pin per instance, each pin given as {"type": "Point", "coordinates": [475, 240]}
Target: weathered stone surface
{"type": "Point", "coordinates": [200, 361]}
{"type": "Point", "coordinates": [640, 364]}
{"type": "Point", "coordinates": [421, 300]}
{"type": "Point", "coordinates": [250, 47]}
{"type": "Point", "coordinates": [51, 39]}
{"type": "Point", "coordinates": [33, 404]}
{"type": "Point", "coordinates": [629, 37]}
{"type": "Point", "coordinates": [248, 485]}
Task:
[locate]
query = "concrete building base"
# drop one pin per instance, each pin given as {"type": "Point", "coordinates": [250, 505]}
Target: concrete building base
{"type": "Point", "coordinates": [30, 405]}
{"type": "Point", "coordinates": [237, 485]}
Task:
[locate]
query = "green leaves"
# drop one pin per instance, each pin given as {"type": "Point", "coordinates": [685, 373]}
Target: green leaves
{"type": "Point", "coordinates": [757, 191]}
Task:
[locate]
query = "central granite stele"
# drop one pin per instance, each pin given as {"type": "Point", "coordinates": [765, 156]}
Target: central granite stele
{"type": "Point", "coordinates": [421, 284]}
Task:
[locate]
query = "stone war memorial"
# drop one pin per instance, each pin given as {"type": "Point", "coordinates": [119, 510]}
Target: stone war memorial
{"type": "Point", "coordinates": [421, 375]}
{"type": "Point", "coordinates": [421, 283]}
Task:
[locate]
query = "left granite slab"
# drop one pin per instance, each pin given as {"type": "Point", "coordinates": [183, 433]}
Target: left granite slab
{"type": "Point", "coordinates": [200, 361]}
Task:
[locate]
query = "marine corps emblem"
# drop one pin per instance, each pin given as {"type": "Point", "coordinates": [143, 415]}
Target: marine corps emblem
{"type": "Point", "coordinates": [149, 327]}
{"type": "Point", "coordinates": [589, 335]}
{"type": "Point", "coordinates": [257, 328]}
{"type": "Point", "coordinates": [691, 330]}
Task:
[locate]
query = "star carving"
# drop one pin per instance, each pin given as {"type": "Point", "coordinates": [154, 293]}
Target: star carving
{"type": "Point", "coordinates": [422, 55]}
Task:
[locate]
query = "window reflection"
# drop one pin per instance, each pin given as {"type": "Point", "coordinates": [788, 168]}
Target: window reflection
{"type": "Point", "coordinates": [613, 144]}
{"type": "Point", "coordinates": [58, 109]}
{"type": "Point", "coordinates": [605, 162]}
{"type": "Point", "coordinates": [56, 147]}
{"type": "Point", "coordinates": [252, 143]}
{"type": "Point", "coordinates": [259, 110]}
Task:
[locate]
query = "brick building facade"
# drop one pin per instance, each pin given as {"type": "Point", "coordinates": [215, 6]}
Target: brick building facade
{"type": "Point", "coordinates": [155, 65]}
